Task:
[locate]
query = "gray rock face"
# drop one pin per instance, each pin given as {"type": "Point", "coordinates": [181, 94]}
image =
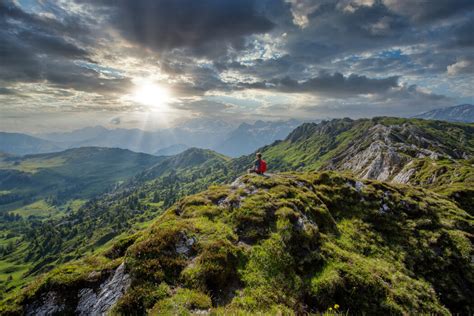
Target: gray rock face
{"type": "Point", "coordinates": [389, 151]}
{"type": "Point", "coordinates": [185, 244]}
{"type": "Point", "coordinates": [92, 303]}
{"type": "Point", "coordinates": [48, 304]}
{"type": "Point", "coordinates": [237, 183]}
{"type": "Point", "coordinates": [404, 176]}
{"type": "Point", "coordinates": [97, 299]}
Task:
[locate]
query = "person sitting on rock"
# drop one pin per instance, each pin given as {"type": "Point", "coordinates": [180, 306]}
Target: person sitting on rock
{"type": "Point", "coordinates": [260, 165]}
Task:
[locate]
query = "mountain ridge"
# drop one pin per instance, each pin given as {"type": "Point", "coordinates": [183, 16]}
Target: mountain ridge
{"type": "Point", "coordinates": [335, 145]}
{"type": "Point", "coordinates": [458, 113]}
{"type": "Point", "coordinates": [20, 144]}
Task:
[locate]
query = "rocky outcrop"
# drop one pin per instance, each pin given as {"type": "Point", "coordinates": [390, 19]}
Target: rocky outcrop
{"type": "Point", "coordinates": [92, 303]}
{"type": "Point", "coordinates": [385, 151]}
{"type": "Point", "coordinates": [404, 176]}
{"type": "Point", "coordinates": [49, 303]}
{"type": "Point", "coordinates": [95, 299]}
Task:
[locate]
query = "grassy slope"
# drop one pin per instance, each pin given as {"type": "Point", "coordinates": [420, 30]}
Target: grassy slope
{"type": "Point", "coordinates": [451, 178]}
{"type": "Point", "coordinates": [293, 243]}
{"type": "Point", "coordinates": [47, 187]}
{"type": "Point", "coordinates": [89, 228]}
{"type": "Point", "coordinates": [76, 173]}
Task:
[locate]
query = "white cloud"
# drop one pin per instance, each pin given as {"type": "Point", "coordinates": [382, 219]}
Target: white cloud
{"type": "Point", "coordinates": [300, 10]}
{"type": "Point", "coordinates": [463, 66]}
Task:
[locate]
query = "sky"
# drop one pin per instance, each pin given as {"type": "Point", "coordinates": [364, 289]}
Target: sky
{"type": "Point", "coordinates": [155, 63]}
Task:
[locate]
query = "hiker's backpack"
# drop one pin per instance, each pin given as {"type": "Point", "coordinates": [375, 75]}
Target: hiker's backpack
{"type": "Point", "coordinates": [263, 166]}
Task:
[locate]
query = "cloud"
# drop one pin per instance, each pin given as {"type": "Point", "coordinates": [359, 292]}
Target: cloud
{"type": "Point", "coordinates": [205, 26]}
{"type": "Point", "coordinates": [237, 58]}
{"type": "Point", "coordinates": [35, 48]}
{"type": "Point", "coordinates": [463, 33]}
{"type": "Point", "coordinates": [463, 66]}
{"type": "Point", "coordinates": [405, 100]}
{"type": "Point", "coordinates": [115, 121]}
{"type": "Point", "coordinates": [300, 10]}
{"type": "Point", "coordinates": [204, 107]}
{"type": "Point", "coordinates": [336, 85]}
{"type": "Point", "coordinates": [429, 11]}
{"type": "Point", "coordinates": [411, 93]}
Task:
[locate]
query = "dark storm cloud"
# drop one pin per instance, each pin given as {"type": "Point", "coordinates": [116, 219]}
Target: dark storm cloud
{"type": "Point", "coordinates": [78, 78]}
{"type": "Point", "coordinates": [342, 29]}
{"type": "Point", "coordinates": [35, 48]}
{"type": "Point", "coordinates": [429, 11]}
{"type": "Point", "coordinates": [44, 43]}
{"type": "Point", "coordinates": [334, 29]}
{"type": "Point", "coordinates": [335, 85]}
{"type": "Point", "coordinates": [67, 24]}
{"type": "Point", "coordinates": [52, 31]}
{"type": "Point", "coordinates": [205, 26]}
{"type": "Point", "coordinates": [463, 34]}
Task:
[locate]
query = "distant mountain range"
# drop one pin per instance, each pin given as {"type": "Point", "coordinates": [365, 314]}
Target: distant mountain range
{"type": "Point", "coordinates": [203, 133]}
{"type": "Point", "coordinates": [458, 113]}
{"type": "Point", "coordinates": [219, 135]}
{"type": "Point", "coordinates": [171, 150]}
{"type": "Point", "coordinates": [248, 137]}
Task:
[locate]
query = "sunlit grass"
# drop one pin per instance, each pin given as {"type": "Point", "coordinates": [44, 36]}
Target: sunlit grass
{"type": "Point", "coordinates": [39, 208]}
{"type": "Point", "coordinates": [32, 165]}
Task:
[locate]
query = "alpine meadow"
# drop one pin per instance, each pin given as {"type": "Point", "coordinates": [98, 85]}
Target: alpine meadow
{"type": "Point", "coordinates": [236, 157]}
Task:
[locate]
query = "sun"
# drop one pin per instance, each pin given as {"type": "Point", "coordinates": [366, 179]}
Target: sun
{"type": "Point", "coordinates": [153, 95]}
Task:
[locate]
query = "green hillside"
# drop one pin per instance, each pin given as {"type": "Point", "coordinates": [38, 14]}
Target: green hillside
{"type": "Point", "coordinates": [37, 191]}
{"type": "Point", "coordinates": [32, 247]}
{"type": "Point", "coordinates": [378, 241]}
{"type": "Point", "coordinates": [72, 174]}
{"type": "Point", "coordinates": [285, 244]}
